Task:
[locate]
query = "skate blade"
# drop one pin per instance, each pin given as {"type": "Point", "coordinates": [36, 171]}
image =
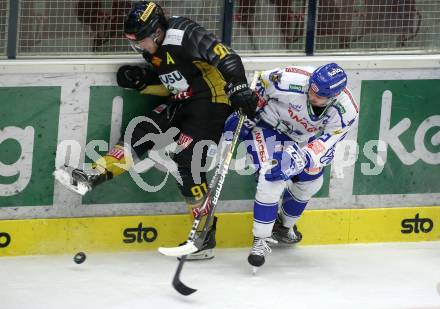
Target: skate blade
{"type": "Point", "coordinates": [207, 254]}
{"type": "Point", "coordinates": [64, 178]}
{"type": "Point", "coordinates": [254, 270]}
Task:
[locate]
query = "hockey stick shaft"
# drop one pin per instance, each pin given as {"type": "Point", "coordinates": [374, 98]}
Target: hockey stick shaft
{"type": "Point", "coordinates": [218, 179]}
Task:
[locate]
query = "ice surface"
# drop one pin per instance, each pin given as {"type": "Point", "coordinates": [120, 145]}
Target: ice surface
{"type": "Point", "coordinates": [376, 276]}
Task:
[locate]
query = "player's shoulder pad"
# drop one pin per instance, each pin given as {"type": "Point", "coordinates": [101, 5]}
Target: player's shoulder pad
{"type": "Point", "coordinates": [290, 79]}
{"type": "Point", "coordinates": [296, 78]}
{"type": "Point", "coordinates": [269, 77]}
{"type": "Point", "coordinates": [178, 22]}
{"type": "Point", "coordinates": [347, 106]}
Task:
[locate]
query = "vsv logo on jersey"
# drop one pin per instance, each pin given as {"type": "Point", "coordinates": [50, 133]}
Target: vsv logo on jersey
{"type": "Point", "coordinates": [139, 234]}
{"type": "Point", "coordinates": [174, 81]}
{"type": "Point", "coordinates": [5, 239]}
{"type": "Point", "coordinates": [416, 225]}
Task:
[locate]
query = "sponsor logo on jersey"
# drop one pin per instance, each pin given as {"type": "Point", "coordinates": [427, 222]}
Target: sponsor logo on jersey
{"type": "Point", "coordinates": [416, 225]}
{"type": "Point", "coordinates": [139, 234]}
{"type": "Point", "coordinates": [296, 87]}
{"type": "Point", "coordinates": [173, 37]}
{"type": "Point", "coordinates": [296, 107]}
{"type": "Point", "coordinates": [174, 81]}
{"type": "Point", "coordinates": [341, 108]}
{"type": "Point", "coordinates": [316, 146]}
{"type": "Point", "coordinates": [296, 70]}
{"type": "Point", "coordinates": [5, 239]}
{"type": "Point", "coordinates": [184, 140]}
{"type": "Point", "coordinates": [307, 125]}
{"type": "Point", "coordinates": [261, 147]}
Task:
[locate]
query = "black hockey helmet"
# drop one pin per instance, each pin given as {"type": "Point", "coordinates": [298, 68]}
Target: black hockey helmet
{"type": "Point", "coordinates": [143, 20]}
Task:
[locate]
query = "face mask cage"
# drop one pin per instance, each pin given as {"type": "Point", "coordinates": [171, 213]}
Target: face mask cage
{"type": "Point", "coordinates": [136, 47]}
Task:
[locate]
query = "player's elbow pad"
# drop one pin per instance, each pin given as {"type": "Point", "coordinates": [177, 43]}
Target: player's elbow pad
{"type": "Point", "coordinates": [232, 68]}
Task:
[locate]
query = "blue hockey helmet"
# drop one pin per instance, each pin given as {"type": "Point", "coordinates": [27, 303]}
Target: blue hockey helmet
{"type": "Point", "coordinates": [328, 80]}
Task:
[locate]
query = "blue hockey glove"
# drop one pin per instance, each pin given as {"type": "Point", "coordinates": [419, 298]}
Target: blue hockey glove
{"type": "Point", "coordinates": [289, 162]}
{"type": "Point", "coordinates": [231, 124]}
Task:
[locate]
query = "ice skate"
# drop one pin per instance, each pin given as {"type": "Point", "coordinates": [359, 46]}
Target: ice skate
{"type": "Point", "coordinates": [207, 251]}
{"type": "Point", "coordinates": [285, 235]}
{"type": "Point", "coordinates": [260, 249]}
{"type": "Point", "coordinates": [79, 180]}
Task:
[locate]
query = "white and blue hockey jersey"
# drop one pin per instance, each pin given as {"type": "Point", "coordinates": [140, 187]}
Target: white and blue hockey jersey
{"type": "Point", "coordinates": [287, 110]}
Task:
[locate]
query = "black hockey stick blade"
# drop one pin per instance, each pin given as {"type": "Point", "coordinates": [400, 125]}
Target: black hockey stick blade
{"type": "Point", "coordinates": [179, 285]}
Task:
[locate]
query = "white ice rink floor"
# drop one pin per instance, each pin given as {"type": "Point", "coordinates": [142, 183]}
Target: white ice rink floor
{"type": "Point", "coordinates": [391, 276]}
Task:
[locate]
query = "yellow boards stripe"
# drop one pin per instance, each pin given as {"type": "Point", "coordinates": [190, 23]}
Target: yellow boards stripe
{"type": "Point", "coordinates": [137, 233]}
{"type": "Point", "coordinates": [214, 80]}
{"type": "Point", "coordinates": [148, 11]}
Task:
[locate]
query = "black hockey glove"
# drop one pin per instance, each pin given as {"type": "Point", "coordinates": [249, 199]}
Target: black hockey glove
{"type": "Point", "coordinates": [135, 77]}
{"type": "Point", "coordinates": [242, 98]}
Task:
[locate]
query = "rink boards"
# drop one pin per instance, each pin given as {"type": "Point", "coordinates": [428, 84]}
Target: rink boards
{"type": "Point", "coordinates": [137, 233]}
{"type": "Point", "coordinates": [379, 188]}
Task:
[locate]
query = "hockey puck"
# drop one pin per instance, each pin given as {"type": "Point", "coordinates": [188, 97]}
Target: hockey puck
{"type": "Point", "coordinates": [79, 258]}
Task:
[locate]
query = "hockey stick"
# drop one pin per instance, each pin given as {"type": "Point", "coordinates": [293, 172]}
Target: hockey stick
{"type": "Point", "coordinates": [192, 245]}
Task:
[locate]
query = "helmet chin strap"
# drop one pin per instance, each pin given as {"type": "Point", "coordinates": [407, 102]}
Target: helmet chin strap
{"type": "Point", "coordinates": [155, 38]}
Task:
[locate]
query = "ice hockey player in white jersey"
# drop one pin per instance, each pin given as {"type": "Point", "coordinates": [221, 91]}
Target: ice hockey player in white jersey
{"type": "Point", "coordinates": [303, 113]}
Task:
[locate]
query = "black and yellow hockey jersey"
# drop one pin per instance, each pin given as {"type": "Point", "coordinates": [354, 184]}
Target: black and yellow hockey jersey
{"type": "Point", "coordinates": [193, 60]}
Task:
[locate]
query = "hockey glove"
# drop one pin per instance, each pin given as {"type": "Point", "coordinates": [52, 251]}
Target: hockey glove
{"type": "Point", "coordinates": [289, 162]}
{"type": "Point", "coordinates": [231, 124]}
{"type": "Point", "coordinates": [135, 77]}
{"type": "Point", "coordinates": [242, 98]}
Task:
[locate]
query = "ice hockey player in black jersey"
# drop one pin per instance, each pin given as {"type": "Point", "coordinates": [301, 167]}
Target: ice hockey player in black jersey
{"type": "Point", "coordinates": [204, 81]}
